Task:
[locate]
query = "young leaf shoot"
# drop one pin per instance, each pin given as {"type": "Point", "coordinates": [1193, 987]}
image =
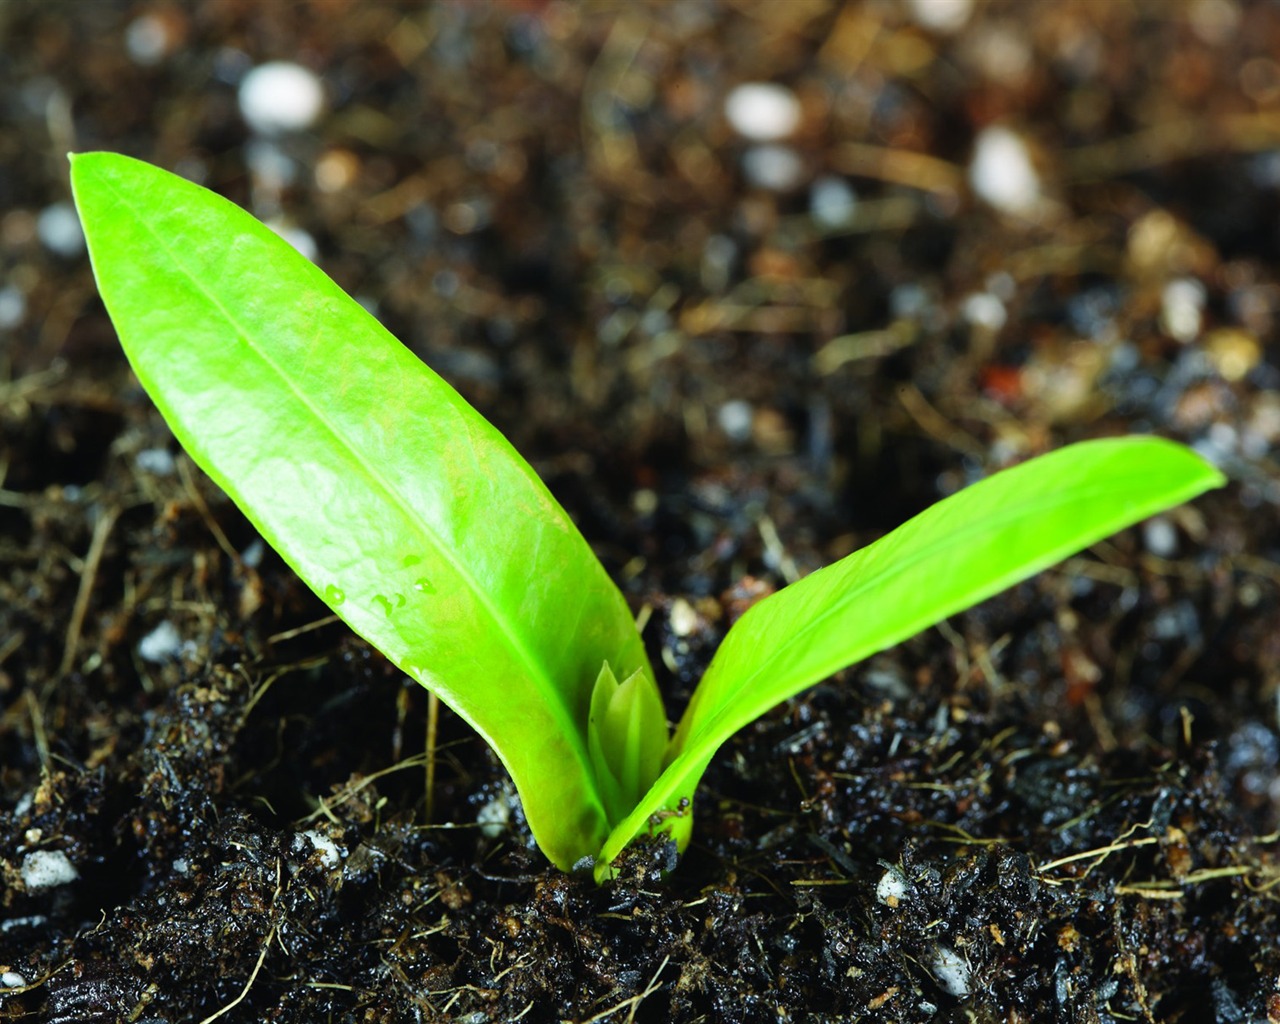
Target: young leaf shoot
{"type": "Point", "coordinates": [418, 523]}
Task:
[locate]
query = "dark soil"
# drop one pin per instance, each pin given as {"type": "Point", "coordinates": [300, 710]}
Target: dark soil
{"type": "Point", "coordinates": [1062, 806]}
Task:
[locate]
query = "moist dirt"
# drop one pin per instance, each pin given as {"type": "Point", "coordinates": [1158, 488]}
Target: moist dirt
{"type": "Point", "coordinates": [733, 362]}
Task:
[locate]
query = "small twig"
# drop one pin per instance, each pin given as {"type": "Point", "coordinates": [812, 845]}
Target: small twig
{"type": "Point", "coordinates": [1098, 719]}
{"type": "Point", "coordinates": [1266, 886]}
{"type": "Point", "coordinates": [1148, 891]}
{"type": "Point", "coordinates": [900, 167]}
{"type": "Point", "coordinates": [651, 988]}
{"type": "Point", "coordinates": [1169, 889]}
{"type": "Point", "coordinates": [31, 986]}
{"type": "Point", "coordinates": [15, 390]}
{"type": "Point", "coordinates": [11, 645]}
{"type": "Point", "coordinates": [265, 684]}
{"type": "Point", "coordinates": [643, 616]}
{"type": "Point", "coordinates": [89, 572]}
{"type": "Point", "coordinates": [289, 634]}
{"type": "Point", "coordinates": [852, 348]}
{"type": "Point", "coordinates": [634, 1002]}
{"type": "Point", "coordinates": [259, 691]}
{"type": "Point", "coordinates": [346, 794]}
{"type": "Point", "coordinates": [197, 499]}
{"type": "Point", "coordinates": [985, 657]}
{"type": "Point", "coordinates": [936, 425]}
{"type": "Point", "coordinates": [776, 550]}
{"type": "Point", "coordinates": [959, 644]}
{"type": "Point", "coordinates": [433, 729]}
{"type": "Point", "coordinates": [283, 670]}
{"type": "Point", "coordinates": [962, 837]}
{"type": "Point", "coordinates": [1101, 853]}
{"type": "Point", "coordinates": [1101, 572]}
{"type": "Point", "coordinates": [262, 956]}
{"type": "Point", "coordinates": [808, 882]}
{"type": "Point", "coordinates": [37, 729]}
{"type": "Point", "coordinates": [521, 960]}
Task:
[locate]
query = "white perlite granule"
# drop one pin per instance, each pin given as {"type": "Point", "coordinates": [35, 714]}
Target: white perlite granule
{"type": "Point", "coordinates": [44, 869]}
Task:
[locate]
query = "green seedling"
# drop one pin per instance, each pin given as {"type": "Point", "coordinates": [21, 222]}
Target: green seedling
{"type": "Point", "coordinates": [413, 519]}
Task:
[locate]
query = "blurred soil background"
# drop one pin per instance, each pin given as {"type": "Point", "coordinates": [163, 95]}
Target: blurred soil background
{"type": "Point", "coordinates": [749, 283]}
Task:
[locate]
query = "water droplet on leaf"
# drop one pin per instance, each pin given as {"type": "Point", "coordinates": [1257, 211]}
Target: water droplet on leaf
{"type": "Point", "coordinates": [423, 585]}
{"type": "Point", "coordinates": [389, 604]}
{"type": "Point", "coordinates": [333, 595]}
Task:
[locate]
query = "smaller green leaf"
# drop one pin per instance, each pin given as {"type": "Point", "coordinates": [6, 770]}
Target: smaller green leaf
{"type": "Point", "coordinates": [627, 738]}
{"type": "Point", "coordinates": [637, 717]}
{"type": "Point", "coordinates": [606, 782]}
{"type": "Point", "coordinates": [960, 551]}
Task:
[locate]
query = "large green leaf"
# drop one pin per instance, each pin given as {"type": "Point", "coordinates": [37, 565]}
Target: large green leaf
{"type": "Point", "coordinates": [956, 553]}
{"type": "Point", "coordinates": [401, 507]}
